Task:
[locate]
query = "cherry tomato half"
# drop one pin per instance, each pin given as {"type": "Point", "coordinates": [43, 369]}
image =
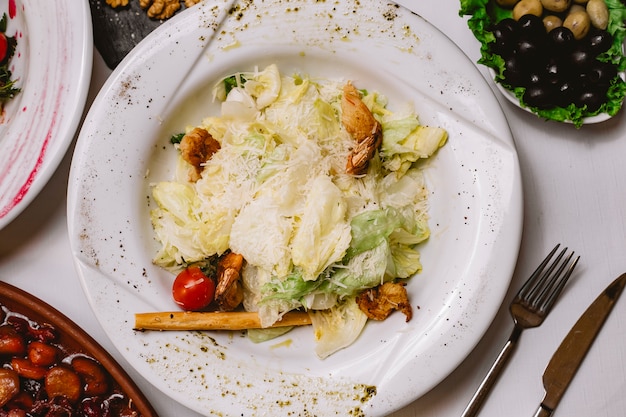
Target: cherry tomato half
{"type": "Point", "coordinates": [192, 289]}
{"type": "Point", "coordinates": [4, 46]}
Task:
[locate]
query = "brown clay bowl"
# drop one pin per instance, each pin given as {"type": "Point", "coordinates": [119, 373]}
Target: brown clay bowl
{"type": "Point", "coordinates": [74, 339]}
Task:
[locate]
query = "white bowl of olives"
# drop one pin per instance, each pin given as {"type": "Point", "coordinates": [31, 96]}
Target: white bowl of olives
{"type": "Point", "coordinates": [560, 59]}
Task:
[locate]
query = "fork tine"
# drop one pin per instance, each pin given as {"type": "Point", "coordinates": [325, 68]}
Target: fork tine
{"type": "Point", "coordinates": [549, 302]}
{"type": "Point", "coordinates": [535, 280]}
{"type": "Point", "coordinates": [547, 281]}
{"type": "Point", "coordinates": [545, 287]}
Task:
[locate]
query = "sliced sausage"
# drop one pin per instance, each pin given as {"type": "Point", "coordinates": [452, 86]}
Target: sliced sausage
{"type": "Point", "coordinates": [63, 381]}
{"type": "Point", "coordinates": [93, 374]}
{"type": "Point", "coordinates": [9, 385]}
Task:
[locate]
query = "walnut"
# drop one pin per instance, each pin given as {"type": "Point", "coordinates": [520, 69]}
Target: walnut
{"type": "Point", "coordinates": [156, 9]}
{"type": "Point", "coordinates": [117, 3]}
{"type": "Point", "coordinates": [197, 147]}
{"type": "Point", "coordinates": [160, 9]}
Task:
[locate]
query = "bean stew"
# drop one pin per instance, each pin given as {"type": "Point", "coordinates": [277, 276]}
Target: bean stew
{"type": "Point", "coordinates": [52, 368]}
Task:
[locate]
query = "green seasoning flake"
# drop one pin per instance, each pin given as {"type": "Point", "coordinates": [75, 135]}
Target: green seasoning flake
{"type": "Point", "coordinates": [177, 138]}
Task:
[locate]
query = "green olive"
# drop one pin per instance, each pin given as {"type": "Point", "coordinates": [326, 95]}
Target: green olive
{"type": "Point", "coordinates": [525, 7]}
{"type": "Point", "coordinates": [556, 5]}
{"type": "Point", "coordinates": [577, 8]}
{"type": "Point", "coordinates": [507, 3]}
{"type": "Point", "coordinates": [579, 23]}
{"type": "Point", "coordinates": [598, 13]}
{"type": "Point", "coordinates": [552, 21]}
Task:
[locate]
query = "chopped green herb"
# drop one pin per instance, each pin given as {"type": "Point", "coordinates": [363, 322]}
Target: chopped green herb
{"type": "Point", "coordinates": [208, 265]}
{"type": "Point", "coordinates": [177, 138]}
{"type": "Point", "coordinates": [233, 81]}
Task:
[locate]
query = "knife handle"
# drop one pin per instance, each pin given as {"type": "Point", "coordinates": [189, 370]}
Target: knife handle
{"type": "Point", "coordinates": [542, 412]}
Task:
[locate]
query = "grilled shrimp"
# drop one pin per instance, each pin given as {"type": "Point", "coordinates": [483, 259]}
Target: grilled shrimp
{"type": "Point", "coordinates": [229, 291]}
{"type": "Point", "coordinates": [360, 123]}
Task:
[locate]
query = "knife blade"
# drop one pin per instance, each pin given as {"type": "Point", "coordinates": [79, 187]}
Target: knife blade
{"type": "Point", "coordinates": [570, 354]}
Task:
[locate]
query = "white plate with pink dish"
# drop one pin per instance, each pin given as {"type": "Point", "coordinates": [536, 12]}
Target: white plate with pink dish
{"type": "Point", "coordinates": [51, 67]}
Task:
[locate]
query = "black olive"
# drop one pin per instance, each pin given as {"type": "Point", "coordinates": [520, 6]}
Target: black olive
{"type": "Point", "coordinates": [581, 58]}
{"type": "Point", "coordinates": [568, 71]}
{"type": "Point", "coordinates": [540, 96]}
{"type": "Point", "coordinates": [565, 94]}
{"type": "Point", "coordinates": [561, 40]}
{"type": "Point", "coordinates": [514, 73]}
{"type": "Point", "coordinates": [534, 78]}
{"type": "Point", "coordinates": [601, 73]}
{"type": "Point", "coordinates": [581, 80]}
{"type": "Point", "coordinates": [508, 24]}
{"type": "Point", "coordinates": [554, 71]}
{"type": "Point", "coordinates": [531, 27]}
{"type": "Point", "coordinates": [592, 99]}
{"type": "Point", "coordinates": [506, 36]}
{"type": "Point", "coordinates": [504, 43]}
{"type": "Point", "coordinates": [600, 41]}
{"type": "Point", "coordinates": [530, 52]}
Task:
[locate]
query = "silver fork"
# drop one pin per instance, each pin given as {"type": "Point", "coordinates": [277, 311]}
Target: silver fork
{"type": "Point", "coordinates": [529, 308]}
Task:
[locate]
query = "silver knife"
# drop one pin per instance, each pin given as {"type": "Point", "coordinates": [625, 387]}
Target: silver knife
{"type": "Point", "coordinates": [570, 354]}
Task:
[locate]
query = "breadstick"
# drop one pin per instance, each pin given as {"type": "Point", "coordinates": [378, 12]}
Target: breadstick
{"type": "Point", "coordinates": [187, 320]}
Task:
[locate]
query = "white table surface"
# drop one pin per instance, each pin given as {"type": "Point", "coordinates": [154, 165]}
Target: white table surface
{"type": "Point", "coordinates": [574, 193]}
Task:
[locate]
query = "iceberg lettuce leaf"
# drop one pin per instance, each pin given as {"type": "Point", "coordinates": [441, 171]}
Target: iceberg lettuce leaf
{"type": "Point", "coordinates": [180, 227]}
{"type": "Point", "coordinates": [323, 233]}
{"type": "Point", "coordinates": [337, 327]}
{"type": "Point", "coordinates": [362, 271]}
{"type": "Point", "coordinates": [263, 335]}
{"type": "Point", "coordinates": [405, 141]}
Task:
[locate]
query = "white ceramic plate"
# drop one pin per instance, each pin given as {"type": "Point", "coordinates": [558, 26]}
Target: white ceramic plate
{"type": "Point", "coordinates": [52, 66]}
{"type": "Point", "coordinates": [475, 205]}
